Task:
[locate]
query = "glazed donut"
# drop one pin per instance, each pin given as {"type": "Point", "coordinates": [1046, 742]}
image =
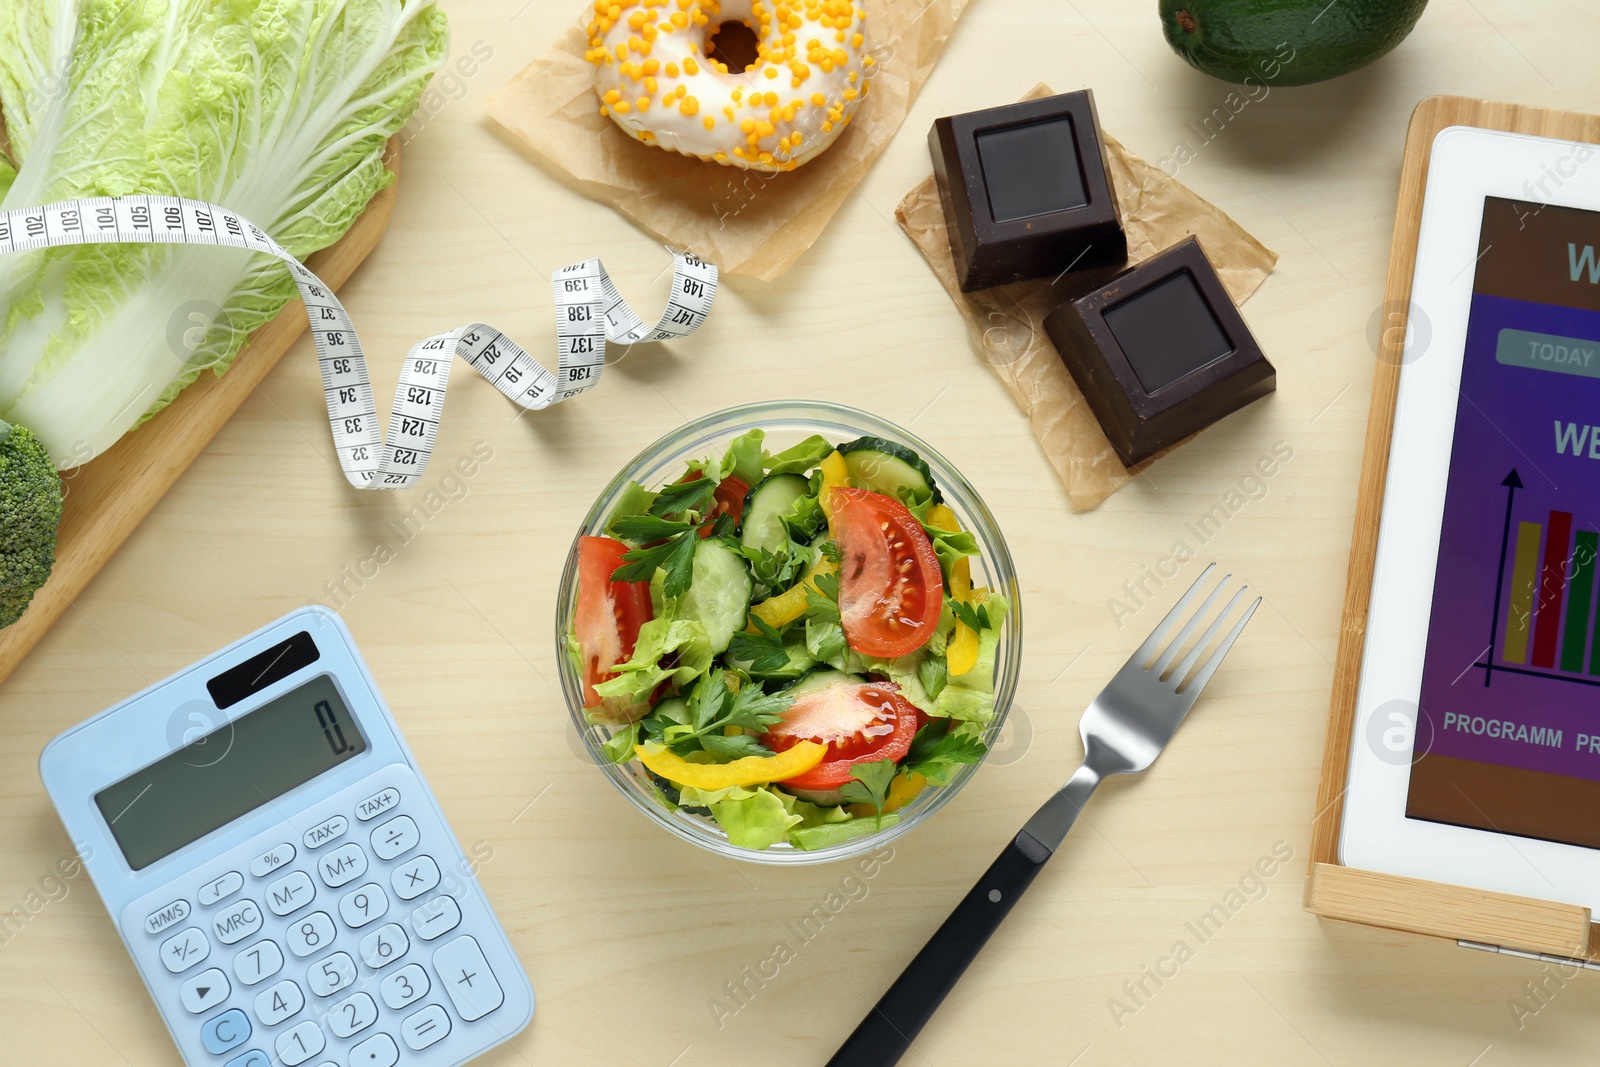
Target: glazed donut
{"type": "Point", "coordinates": [656, 78]}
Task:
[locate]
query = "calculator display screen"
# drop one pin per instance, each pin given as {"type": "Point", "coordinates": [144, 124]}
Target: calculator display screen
{"type": "Point", "coordinates": [229, 772]}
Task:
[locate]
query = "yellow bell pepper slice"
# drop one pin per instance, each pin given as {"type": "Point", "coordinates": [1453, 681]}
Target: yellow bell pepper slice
{"type": "Point", "coordinates": [835, 473]}
{"type": "Point", "coordinates": [902, 791]}
{"type": "Point", "coordinates": [749, 770]}
{"type": "Point", "coordinates": [941, 516]}
{"type": "Point", "coordinates": [789, 605]}
{"type": "Point", "coordinates": [962, 653]}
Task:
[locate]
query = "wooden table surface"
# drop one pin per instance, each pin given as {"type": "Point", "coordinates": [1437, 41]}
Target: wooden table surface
{"type": "Point", "coordinates": [635, 941]}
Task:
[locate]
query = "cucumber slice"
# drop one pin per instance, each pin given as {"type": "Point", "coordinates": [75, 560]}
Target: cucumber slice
{"type": "Point", "coordinates": [822, 678]}
{"type": "Point", "coordinates": [719, 596]}
{"type": "Point", "coordinates": [762, 525]}
{"type": "Point", "coordinates": [888, 468]}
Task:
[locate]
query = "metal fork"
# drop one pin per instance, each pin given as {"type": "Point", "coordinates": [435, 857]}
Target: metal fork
{"type": "Point", "coordinates": [1124, 730]}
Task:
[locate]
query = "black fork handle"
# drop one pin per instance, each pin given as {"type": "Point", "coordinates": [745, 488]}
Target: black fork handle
{"type": "Point", "coordinates": [900, 1014]}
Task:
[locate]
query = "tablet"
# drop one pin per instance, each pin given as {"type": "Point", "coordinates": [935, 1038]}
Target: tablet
{"type": "Point", "coordinates": [1476, 755]}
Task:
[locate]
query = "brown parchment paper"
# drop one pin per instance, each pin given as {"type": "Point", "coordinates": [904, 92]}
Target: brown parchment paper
{"type": "Point", "coordinates": [1006, 325]}
{"type": "Point", "coordinates": [743, 221]}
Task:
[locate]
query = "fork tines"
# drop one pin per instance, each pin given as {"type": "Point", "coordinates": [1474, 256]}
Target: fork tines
{"type": "Point", "coordinates": [1158, 636]}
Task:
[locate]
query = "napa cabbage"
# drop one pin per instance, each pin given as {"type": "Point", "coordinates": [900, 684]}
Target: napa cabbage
{"type": "Point", "coordinates": [277, 109]}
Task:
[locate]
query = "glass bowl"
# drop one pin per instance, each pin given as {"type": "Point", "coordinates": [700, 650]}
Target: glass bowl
{"type": "Point", "coordinates": [787, 422]}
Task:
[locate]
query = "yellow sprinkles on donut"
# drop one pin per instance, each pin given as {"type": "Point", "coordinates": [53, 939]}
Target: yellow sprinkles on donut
{"type": "Point", "coordinates": [657, 77]}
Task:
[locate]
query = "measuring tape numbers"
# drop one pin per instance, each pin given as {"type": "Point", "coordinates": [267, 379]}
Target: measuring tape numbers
{"type": "Point", "coordinates": [589, 313]}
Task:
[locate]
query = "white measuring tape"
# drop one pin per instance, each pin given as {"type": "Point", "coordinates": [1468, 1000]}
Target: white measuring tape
{"type": "Point", "coordinates": [589, 312]}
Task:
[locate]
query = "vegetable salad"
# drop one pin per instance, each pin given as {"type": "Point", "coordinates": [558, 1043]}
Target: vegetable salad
{"type": "Point", "coordinates": [789, 642]}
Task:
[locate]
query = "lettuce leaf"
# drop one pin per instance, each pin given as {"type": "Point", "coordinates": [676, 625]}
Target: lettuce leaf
{"type": "Point", "coordinates": [810, 838]}
{"type": "Point", "coordinates": [278, 109]}
{"type": "Point", "coordinates": [800, 458]}
{"type": "Point", "coordinates": [627, 697]}
{"type": "Point", "coordinates": [752, 818]}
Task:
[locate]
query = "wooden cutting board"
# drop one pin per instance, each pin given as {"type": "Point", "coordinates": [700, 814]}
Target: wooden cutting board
{"type": "Point", "coordinates": [109, 496]}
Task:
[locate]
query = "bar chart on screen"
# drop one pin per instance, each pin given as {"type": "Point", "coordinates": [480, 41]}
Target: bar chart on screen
{"type": "Point", "coordinates": [1544, 606]}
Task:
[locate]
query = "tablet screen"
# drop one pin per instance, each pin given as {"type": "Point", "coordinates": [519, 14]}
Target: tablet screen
{"type": "Point", "coordinates": [1508, 730]}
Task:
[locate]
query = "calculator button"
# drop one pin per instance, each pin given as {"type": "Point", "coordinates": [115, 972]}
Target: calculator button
{"type": "Point", "coordinates": [310, 934]}
{"type": "Point", "coordinates": [271, 860]}
{"type": "Point", "coordinates": [438, 916]}
{"type": "Point", "coordinates": [299, 1043]}
{"type": "Point", "coordinates": [254, 1058]}
{"type": "Point", "coordinates": [325, 831]}
{"type": "Point", "coordinates": [406, 986]}
{"type": "Point", "coordinates": [376, 1051]}
{"type": "Point", "coordinates": [328, 976]}
{"type": "Point", "coordinates": [383, 946]}
{"type": "Point", "coordinates": [226, 1032]}
{"type": "Point", "coordinates": [467, 978]}
{"type": "Point", "coordinates": [362, 905]}
{"type": "Point", "coordinates": [419, 875]}
{"type": "Point", "coordinates": [185, 949]}
{"type": "Point", "coordinates": [290, 894]}
{"type": "Point", "coordinates": [205, 991]}
{"type": "Point", "coordinates": [276, 1003]}
{"type": "Point", "coordinates": [394, 837]}
{"type": "Point", "coordinates": [377, 804]}
{"type": "Point", "coordinates": [352, 1015]}
{"type": "Point", "coordinates": [344, 864]}
{"type": "Point", "coordinates": [425, 1027]}
{"type": "Point", "coordinates": [170, 915]}
{"type": "Point", "coordinates": [259, 962]}
{"type": "Point", "coordinates": [219, 889]}
{"type": "Point", "coordinates": [237, 923]}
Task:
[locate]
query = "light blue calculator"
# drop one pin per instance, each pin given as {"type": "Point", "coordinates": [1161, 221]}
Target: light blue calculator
{"type": "Point", "coordinates": [278, 868]}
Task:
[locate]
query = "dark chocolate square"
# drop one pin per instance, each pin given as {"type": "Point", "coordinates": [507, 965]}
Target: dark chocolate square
{"type": "Point", "coordinates": [1160, 352]}
{"type": "Point", "coordinates": [1031, 169]}
{"type": "Point", "coordinates": [1168, 331]}
{"type": "Point", "coordinates": [1026, 191]}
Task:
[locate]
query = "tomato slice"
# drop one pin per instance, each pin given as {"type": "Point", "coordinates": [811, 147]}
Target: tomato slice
{"type": "Point", "coordinates": [890, 587]}
{"type": "Point", "coordinates": [726, 499]}
{"type": "Point", "coordinates": [859, 722]}
{"type": "Point", "coordinates": [609, 613]}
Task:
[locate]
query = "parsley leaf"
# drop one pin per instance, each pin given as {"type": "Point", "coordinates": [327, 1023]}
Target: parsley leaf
{"type": "Point", "coordinates": [776, 571]}
{"type": "Point", "coordinates": [713, 706]}
{"type": "Point", "coordinates": [735, 747]}
{"type": "Point", "coordinates": [646, 527]}
{"type": "Point", "coordinates": [675, 556]}
{"type": "Point", "coordinates": [755, 710]}
{"type": "Point", "coordinates": [825, 641]}
{"type": "Point", "coordinates": [935, 751]}
{"type": "Point", "coordinates": [934, 674]}
{"type": "Point", "coordinates": [973, 617]}
{"type": "Point", "coordinates": [870, 784]}
{"type": "Point", "coordinates": [830, 549]}
{"type": "Point", "coordinates": [822, 598]}
{"type": "Point", "coordinates": [764, 651]}
{"type": "Point", "coordinates": [679, 497]}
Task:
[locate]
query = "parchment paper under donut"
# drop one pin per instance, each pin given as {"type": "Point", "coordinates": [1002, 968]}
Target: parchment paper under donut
{"type": "Point", "coordinates": [744, 222]}
{"type": "Point", "coordinates": [1006, 325]}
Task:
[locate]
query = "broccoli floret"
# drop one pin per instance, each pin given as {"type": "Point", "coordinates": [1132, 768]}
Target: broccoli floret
{"type": "Point", "coordinates": [30, 510]}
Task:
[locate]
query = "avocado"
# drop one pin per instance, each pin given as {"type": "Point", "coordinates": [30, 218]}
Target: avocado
{"type": "Point", "coordinates": [1285, 42]}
